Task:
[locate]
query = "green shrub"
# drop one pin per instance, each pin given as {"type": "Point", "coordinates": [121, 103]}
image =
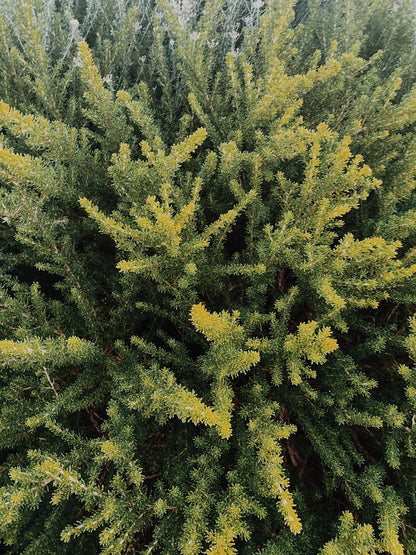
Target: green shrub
{"type": "Point", "coordinates": [207, 277]}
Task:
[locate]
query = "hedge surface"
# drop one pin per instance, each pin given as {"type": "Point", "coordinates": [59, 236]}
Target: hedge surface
{"type": "Point", "coordinates": [207, 277]}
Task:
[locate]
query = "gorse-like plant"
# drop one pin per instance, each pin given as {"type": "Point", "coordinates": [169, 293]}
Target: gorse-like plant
{"type": "Point", "coordinates": [207, 276]}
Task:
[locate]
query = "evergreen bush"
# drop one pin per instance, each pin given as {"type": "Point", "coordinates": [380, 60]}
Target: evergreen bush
{"type": "Point", "coordinates": [207, 276]}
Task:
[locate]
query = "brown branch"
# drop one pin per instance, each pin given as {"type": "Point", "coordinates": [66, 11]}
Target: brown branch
{"type": "Point", "coordinates": [50, 381]}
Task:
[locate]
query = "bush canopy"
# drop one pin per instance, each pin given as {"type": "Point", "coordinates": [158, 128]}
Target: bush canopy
{"type": "Point", "coordinates": [207, 277]}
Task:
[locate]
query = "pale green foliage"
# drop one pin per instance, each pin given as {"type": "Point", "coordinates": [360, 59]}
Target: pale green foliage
{"type": "Point", "coordinates": [207, 277]}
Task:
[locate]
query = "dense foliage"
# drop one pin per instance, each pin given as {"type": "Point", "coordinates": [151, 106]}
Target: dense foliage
{"type": "Point", "coordinates": [207, 277]}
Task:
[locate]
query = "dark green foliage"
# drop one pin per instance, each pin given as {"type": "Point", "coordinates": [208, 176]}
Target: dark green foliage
{"type": "Point", "coordinates": [207, 276]}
